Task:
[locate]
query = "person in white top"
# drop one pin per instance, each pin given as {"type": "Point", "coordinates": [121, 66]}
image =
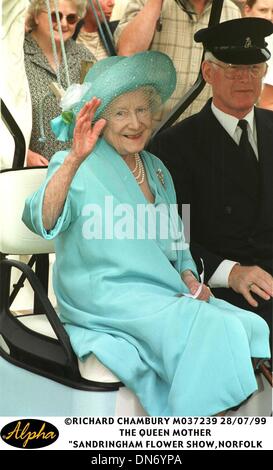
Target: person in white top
{"type": "Point", "coordinates": [264, 9]}
{"type": "Point", "coordinates": [87, 31]}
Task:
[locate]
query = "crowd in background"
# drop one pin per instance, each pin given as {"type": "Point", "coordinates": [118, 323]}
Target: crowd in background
{"type": "Point", "coordinates": [134, 25]}
{"type": "Point", "coordinates": [136, 30]}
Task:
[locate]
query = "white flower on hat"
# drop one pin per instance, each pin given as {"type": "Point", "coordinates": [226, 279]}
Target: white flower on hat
{"type": "Point", "coordinates": [73, 95]}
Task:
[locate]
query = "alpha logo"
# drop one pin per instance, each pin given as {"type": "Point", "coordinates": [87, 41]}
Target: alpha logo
{"type": "Point", "coordinates": [29, 434]}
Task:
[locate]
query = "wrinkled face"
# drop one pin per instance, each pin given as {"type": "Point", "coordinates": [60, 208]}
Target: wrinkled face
{"type": "Point", "coordinates": [129, 122]}
{"type": "Point", "coordinates": [261, 9]}
{"type": "Point", "coordinates": [106, 5]}
{"type": "Point", "coordinates": [233, 96]}
{"type": "Point", "coordinates": [66, 8]}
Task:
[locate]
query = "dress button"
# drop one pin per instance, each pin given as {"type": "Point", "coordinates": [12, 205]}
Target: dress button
{"type": "Point", "coordinates": [228, 210]}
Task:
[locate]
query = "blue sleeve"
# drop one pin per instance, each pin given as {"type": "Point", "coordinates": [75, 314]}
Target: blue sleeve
{"type": "Point", "coordinates": [184, 258]}
{"type": "Point", "coordinates": [32, 215]}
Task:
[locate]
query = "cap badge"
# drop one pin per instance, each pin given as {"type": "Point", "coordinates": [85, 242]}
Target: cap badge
{"type": "Point", "coordinates": [248, 43]}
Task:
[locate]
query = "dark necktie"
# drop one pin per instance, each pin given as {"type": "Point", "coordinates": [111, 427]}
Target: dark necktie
{"type": "Point", "coordinates": [248, 159]}
{"type": "Point", "coordinates": [246, 147]}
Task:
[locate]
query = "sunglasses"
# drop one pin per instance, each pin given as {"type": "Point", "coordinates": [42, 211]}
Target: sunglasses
{"type": "Point", "coordinates": [72, 18]}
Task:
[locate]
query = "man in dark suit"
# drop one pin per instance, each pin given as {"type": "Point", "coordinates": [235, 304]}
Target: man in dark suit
{"type": "Point", "coordinates": [221, 160]}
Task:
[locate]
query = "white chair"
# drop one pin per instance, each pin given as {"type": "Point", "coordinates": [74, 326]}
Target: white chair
{"type": "Point", "coordinates": [40, 374]}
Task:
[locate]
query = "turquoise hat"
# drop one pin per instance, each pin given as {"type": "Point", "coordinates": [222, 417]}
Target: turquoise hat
{"type": "Point", "coordinates": [112, 77]}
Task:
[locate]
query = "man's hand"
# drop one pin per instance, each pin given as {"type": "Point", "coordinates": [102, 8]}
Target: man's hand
{"type": "Point", "coordinates": [247, 279]}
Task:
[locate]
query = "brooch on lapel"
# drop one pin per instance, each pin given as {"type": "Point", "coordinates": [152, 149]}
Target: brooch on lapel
{"type": "Point", "coordinates": [160, 177]}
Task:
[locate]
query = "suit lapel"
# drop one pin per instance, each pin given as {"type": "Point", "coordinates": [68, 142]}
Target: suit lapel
{"type": "Point", "coordinates": [37, 57]}
{"type": "Point", "coordinates": [36, 54]}
{"type": "Point", "coordinates": [227, 160]}
{"type": "Point", "coordinates": [222, 147]}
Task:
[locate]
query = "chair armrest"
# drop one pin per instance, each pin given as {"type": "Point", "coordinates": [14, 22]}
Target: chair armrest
{"type": "Point", "coordinates": [64, 342]}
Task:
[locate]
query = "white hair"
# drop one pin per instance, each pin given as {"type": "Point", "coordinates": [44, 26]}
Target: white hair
{"type": "Point", "coordinates": [210, 57]}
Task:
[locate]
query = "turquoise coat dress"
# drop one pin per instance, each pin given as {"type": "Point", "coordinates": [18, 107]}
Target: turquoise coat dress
{"type": "Point", "coordinates": [118, 295]}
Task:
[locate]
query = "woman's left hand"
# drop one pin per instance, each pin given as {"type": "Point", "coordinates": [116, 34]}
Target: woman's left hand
{"type": "Point", "coordinates": [193, 285]}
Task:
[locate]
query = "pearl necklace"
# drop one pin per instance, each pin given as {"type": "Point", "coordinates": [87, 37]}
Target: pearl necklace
{"type": "Point", "coordinates": [138, 171]}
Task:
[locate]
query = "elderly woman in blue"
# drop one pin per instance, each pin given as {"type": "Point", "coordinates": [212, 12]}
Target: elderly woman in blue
{"type": "Point", "coordinates": [126, 284]}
